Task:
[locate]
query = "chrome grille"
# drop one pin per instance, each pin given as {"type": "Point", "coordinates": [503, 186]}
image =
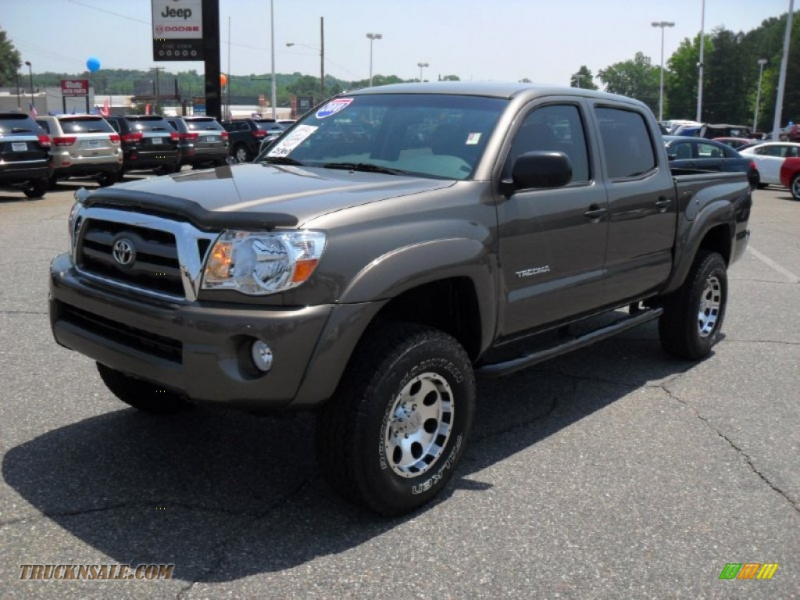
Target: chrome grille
{"type": "Point", "coordinates": [141, 253]}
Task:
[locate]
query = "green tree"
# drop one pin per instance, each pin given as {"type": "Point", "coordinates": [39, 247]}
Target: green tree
{"type": "Point", "coordinates": [450, 78]}
{"type": "Point", "coordinates": [10, 61]}
{"type": "Point", "coordinates": [635, 78]}
{"type": "Point", "coordinates": [583, 78]}
{"type": "Point", "coordinates": [680, 79]}
{"type": "Point", "coordinates": [726, 81]}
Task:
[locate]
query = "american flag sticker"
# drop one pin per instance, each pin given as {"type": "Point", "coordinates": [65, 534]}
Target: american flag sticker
{"type": "Point", "coordinates": [473, 139]}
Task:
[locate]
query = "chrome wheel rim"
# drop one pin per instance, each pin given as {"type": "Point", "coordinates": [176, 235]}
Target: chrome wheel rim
{"type": "Point", "coordinates": [241, 155]}
{"type": "Point", "coordinates": [418, 425]}
{"type": "Point", "coordinates": [710, 304]}
{"type": "Point", "coordinates": [796, 188]}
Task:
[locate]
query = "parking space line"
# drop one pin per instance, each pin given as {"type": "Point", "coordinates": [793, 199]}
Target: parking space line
{"type": "Point", "coordinates": [782, 270]}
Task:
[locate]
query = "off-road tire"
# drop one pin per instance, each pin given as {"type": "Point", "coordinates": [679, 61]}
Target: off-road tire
{"type": "Point", "coordinates": [397, 376]}
{"type": "Point", "coordinates": [36, 188]}
{"type": "Point", "coordinates": [142, 395]}
{"type": "Point", "coordinates": [693, 315]}
{"type": "Point", "coordinates": [794, 186]}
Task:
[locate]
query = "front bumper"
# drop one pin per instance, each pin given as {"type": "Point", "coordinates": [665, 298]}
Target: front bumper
{"type": "Point", "coordinates": [200, 350]}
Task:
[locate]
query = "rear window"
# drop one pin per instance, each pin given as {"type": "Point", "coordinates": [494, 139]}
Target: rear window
{"type": "Point", "coordinates": [149, 124]}
{"type": "Point", "coordinates": [85, 125]}
{"type": "Point", "coordinates": [270, 126]}
{"type": "Point", "coordinates": [18, 124]}
{"type": "Point", "coordinates": [203, 125]}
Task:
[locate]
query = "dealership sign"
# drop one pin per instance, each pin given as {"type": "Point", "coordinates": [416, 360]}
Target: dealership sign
{"type": "Point", "coordinates": [177, 30]}
{"type": "Point", "coordinates": [74, 87]}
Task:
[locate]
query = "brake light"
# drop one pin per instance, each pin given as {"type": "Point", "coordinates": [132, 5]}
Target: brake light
{"type": "Point", "coordinates": [64, 141]}
{"type": "Point", "coordinates": [174, 136]}
{"type": "Point", "coordinates": [753, 165]}
{"type": "Point", "coordinates": [259, 133]}
{"type": "Point", "coordinates": [44, 141]}
{"type": "Point", "coordinates": [132, 137]}
{"type": "Point", "coordinates": [224, 135]}
{"type": "Point", "coordinates": [189, 136]}
{"type": "Point", "coordinates": [114, 137]}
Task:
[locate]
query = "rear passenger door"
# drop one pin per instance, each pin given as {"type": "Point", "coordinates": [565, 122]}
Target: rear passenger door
{"type": "Point", "coordinates": [553, 240]}
{"type": "Point", "coordinates": [642, 206]}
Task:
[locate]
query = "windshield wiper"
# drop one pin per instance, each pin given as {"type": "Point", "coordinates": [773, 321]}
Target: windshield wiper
{"type": "Point", "coordinates": [282, 160]}
{"type": "Point", "coordinates": [367, 167]}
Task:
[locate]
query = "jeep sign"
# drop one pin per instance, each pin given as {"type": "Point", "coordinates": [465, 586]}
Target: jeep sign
{"type": "Point", "coordinates": [177, 30]}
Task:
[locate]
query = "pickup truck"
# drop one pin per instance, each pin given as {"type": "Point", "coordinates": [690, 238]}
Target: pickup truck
{"type": "Point", "coordinates": [392, 245]}
{"type": "Point", "coordinates": [790, 176]}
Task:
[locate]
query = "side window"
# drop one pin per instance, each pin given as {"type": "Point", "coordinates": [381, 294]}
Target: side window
{"type": "Point", "coordinates": [681, 151]}
{"type": "Point", "coordinates": [626, 141]}
{"type": "Point", "coordinates": [708, 151]}
{"type": "Point", "coordinates": [557, 128]}
{"type": "Point", "coordinates": [793, 151]}
{"type": "Point", "coordinates": [44, 125]}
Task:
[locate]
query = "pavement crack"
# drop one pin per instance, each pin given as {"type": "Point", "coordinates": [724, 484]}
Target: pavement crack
{"type": "Point", "coordinates": [236, 532]}
{"type": "Point", "coordinates": [732, 444]}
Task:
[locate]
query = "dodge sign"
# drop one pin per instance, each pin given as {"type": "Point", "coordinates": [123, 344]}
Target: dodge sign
{"type": "Point", "coordinates": [177, 30]}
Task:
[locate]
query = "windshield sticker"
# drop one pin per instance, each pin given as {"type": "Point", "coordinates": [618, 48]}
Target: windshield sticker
{"type": "Point", "coordinates": [297, 137]}
{"type": "Point", "coordinates": [473, 139]}
{"type": "Point", "coordinates": [332, 107]}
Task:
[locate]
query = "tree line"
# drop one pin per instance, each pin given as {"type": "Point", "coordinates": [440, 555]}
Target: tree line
{"type": "Point", "coordinates": [730, 78]}
{"type": "Point", "coordinates": [730, 81]}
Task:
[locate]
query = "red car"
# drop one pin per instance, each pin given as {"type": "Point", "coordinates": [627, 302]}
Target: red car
{"type": "Point", "coordinates": [790, 175]}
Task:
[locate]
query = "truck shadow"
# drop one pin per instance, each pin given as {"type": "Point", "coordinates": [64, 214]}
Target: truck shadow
{"type": "Point", "coordinates": [225, 495]}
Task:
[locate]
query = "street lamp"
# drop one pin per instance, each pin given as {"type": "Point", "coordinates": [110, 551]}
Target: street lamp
{"type": "Point", "coordinates": [577, 77]}
{"type": "Point", "coordinates": [421, 66]}
{"type": "Point", "coordinates": [761, 63]}
{"type": "Point", "coordinates": [662, 25]}
{"type": "Point", "coordinates": [30, 74]}
{"type": "Point", "coordinates": [372, 37]}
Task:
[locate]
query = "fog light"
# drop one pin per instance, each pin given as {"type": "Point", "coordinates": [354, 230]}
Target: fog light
{"type": "Point", "coordinates": [261, 355]}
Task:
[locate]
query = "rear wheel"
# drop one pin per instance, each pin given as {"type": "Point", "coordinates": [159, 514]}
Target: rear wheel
{"type": "Point", "coordinates": [142, 395]}
{"type": "Point", "coordinates": [693, 316]}
{"type": "Point", "coordinates": [240, 153]}
{"type": "Point", "coordinates": [107, 179]}
{"type": "Point", "coordinates": [795, 187]}
{"type": "Point", "coordinates": [36, 188]}
{"type": "Point", "coordinates": [393, 434]}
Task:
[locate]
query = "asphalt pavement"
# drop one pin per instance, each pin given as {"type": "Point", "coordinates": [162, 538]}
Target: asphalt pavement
{"type": "Point", "coordinates": [614, 472]}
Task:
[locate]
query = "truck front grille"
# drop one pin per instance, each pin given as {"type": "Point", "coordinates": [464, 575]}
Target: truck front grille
{"type": "Point", "coordinates": [148, 343]}
{"type": "Point", "coordinates": [136, 256]}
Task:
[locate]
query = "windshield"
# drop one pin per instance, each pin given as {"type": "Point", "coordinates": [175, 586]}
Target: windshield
{"type": "Point", "coordinates": [429, 135]}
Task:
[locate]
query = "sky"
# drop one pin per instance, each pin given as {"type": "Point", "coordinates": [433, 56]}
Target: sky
{"type": "Point", "coordinates": [545, 41]}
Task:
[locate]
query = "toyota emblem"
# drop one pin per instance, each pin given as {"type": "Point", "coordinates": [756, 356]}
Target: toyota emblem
{"type": "Point", "coordinates": [124, 252]}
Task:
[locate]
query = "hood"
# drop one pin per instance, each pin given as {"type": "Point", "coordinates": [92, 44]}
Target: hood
{"type": "Point", "coordinates": [269, 194]}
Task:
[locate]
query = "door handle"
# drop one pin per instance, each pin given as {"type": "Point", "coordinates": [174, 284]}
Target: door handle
{"type": "Point", "coordinates": [595, 212]}
{"type": "Point", "coordinates": [663, 204]}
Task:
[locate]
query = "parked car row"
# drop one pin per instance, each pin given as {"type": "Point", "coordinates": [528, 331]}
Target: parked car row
{"type": "Point", "coordinates": [247, 135]}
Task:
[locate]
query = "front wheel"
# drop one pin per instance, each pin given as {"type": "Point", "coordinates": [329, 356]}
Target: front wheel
{"type": "Point", "coordinates": [795, 187]}
{"type": "Point", "coordinates": [692, 319]}
{"type": "Point", "coordinates": [393, 434]}
{"type": "Point", "coordinates": [142, 395]}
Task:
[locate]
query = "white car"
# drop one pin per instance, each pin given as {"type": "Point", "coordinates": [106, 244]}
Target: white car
{"type": "Point", "coordinates": [769, 158]}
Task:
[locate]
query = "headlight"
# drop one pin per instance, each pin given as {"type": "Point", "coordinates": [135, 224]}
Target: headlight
{"type": "Point", "coordinates": [262, 263]}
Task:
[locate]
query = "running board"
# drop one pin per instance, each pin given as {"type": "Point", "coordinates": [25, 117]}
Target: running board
{"type": "Point", "coordinates": [517, 364]}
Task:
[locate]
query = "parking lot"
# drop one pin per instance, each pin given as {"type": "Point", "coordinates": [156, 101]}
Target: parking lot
{"type": "Point", "coordinates": [614, 472]}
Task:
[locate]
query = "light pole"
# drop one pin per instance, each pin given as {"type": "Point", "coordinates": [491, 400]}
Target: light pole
{"type": "Point", "coordinates": [776, 123]}
{"type": "Point", "coordinates": [700, 64]}
{"type": "Point", "coordinates": [421, 66]}
{"type": "Point", "coordinates": [662, 25]}
{"type": "Point", "coordinates": [372, 37]}
{"type": "Point", "coordinates": [274, 95]}
{"type": "Point", "coordinates": [30, 74]}
{"type": "Point", "coordinates": [577, 77]}
{"type": "Point", "coordinates": [321, 67]}
{"type": "Point", "coordinates": [761, 63]}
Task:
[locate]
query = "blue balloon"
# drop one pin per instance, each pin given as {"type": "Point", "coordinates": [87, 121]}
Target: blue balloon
{"type": "Point", "coordinates": [93, 64]}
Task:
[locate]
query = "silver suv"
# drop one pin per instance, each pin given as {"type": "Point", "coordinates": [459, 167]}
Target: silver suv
{"type": "Point", "coordinates": [83, 145]}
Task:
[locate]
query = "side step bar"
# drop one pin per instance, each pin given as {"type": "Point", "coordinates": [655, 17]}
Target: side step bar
{"type": "Point", "coordinates": [517, 364]}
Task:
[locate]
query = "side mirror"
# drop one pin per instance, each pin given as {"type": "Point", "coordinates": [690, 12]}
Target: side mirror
{"type": "Point", "coordinates": [541, 170]}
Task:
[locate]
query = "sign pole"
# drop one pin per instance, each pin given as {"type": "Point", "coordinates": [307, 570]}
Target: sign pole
{"type": "Point", "coordinates": [211, 49]}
